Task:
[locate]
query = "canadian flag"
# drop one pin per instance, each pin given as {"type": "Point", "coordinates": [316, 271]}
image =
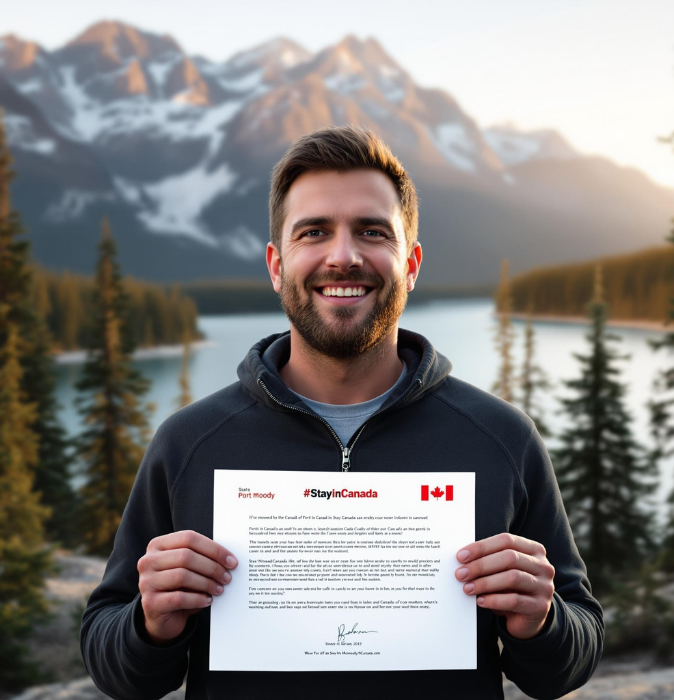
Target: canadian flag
{"type": "Point", "coordinates": [437, 493]}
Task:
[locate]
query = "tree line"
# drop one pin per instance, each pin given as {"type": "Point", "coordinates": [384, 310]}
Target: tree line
{"type": "Point", "coordinates": [638, 286]}
{"type": "Point", "coordinates": [39, 508]}
{"type": "Point", "coordinates": [156, 315]}
{"type": "Point", "coordinates": [606, 477]}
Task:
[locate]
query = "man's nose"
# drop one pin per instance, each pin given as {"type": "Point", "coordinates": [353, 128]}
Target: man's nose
{"type": "Point", "coordinates": [343, 252]}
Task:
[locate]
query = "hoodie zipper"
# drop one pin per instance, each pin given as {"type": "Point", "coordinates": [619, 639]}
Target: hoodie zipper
{"type": "Point", "coordinates": [346, 451]}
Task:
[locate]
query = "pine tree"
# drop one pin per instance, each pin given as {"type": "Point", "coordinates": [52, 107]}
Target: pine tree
{"type": "Point", "coordinates": [533, 379]}
{"type": "Point", "coordinates": [52, 470]}
{"type": "Point", "coordinates": [603, 473]}
{"type": "Point", "coordinates": [505, 335]}
{"type": "Point", "coordinates": [24, 560]}
{"type": "Point", "coordinates": [41, 299]}
{"type": "Point", "coordinates": [117, 432]}
{"type": "Point", "coordinates": [185, 396]}
{"type": "Point", "coordinates": [71, 312]}
{"type": "Point", "coordinates": [662, 427]}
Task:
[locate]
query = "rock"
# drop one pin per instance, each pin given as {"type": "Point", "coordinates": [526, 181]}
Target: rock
{"type": "Point", "coordinates": [651, 685]}
{"type": "Point", "coordinates": [81, 689]}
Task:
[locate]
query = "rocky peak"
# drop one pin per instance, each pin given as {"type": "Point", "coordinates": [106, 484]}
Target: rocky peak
{"type": "Point", "coordinates": [132, 81]}
{"type": "Point", "coordinates": [369, 51]}
{"type": "Point", "coordinates": [515, 146]}
{"type": "Point", "coordinates": [121, 42]}
{"type": "Point", "coordinates": [278, 52]}
{"type": "Point", "coordinates": [185, 84]}
{"type": "Point", "coordinates": [368, 55]}
{"type": "Point", "coordinates": [17, 54]}
{"type": "Point", "coordinates": [359, 66]}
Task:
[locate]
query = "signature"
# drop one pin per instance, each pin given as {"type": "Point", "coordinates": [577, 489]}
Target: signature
{"type": "Point", "coordinates": [342, 632]}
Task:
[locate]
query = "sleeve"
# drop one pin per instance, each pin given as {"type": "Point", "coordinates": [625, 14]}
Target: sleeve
{"type": "Point", "coordinates": [566, 652]}
{"type": "Point", "coordinates": [119, 657]}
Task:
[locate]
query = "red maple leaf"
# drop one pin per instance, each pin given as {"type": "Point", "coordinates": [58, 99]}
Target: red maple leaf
{"type": "Point", "coordinates": [437, 492]}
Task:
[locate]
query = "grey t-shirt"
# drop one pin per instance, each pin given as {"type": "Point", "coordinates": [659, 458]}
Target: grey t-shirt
{"type": "Point", "coordinates": [345, 419]}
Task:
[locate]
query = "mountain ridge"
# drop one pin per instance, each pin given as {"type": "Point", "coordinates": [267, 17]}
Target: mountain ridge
{"type": "Point", "coordinates": [183, 147]}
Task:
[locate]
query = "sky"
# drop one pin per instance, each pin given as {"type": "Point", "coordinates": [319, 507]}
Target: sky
{"type": "Point", "coordinates": [601, 72]}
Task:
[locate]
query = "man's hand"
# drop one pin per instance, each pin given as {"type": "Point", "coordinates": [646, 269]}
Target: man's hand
{"type": "Point", "coordinates": [179, 575]}
{"type": "Point", "coordinates": [511, 576]}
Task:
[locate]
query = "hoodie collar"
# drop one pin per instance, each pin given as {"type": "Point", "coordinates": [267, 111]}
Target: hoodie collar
{"type": "Point", "coordinates": [426, 369]}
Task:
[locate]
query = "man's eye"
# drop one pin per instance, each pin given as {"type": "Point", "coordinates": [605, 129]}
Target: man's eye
{"type": "Point", "coordinates": [314, 233]}
{"type": "Point", "coordinates": [376, 233]}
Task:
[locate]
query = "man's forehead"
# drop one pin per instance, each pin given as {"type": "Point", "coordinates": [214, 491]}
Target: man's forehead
{"type": "Point", "coordinates": [343, 197]}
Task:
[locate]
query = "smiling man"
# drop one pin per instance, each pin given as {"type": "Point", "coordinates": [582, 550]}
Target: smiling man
{"type": "Point", "coordinates": [344, 389]}
{"type": "Point", "coordinates": [343, 265]}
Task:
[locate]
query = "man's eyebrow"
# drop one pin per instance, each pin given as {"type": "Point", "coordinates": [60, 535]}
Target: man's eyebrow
{"type": "Point", "coordinates": [358, 221]}
{"type": "Point", "coordinates": [311, 221]}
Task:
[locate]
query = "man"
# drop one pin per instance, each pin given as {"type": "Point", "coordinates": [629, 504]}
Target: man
{"type": "Point", "coordinates": [344, 389]}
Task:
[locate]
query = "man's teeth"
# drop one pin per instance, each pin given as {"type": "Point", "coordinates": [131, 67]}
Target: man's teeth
{"type": "Point", "coordinates": [344, 291]}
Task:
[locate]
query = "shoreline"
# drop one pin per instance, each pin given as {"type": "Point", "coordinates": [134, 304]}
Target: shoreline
{"type": "Point", "coordinates": [72, 357]}
{"type": "Point", "coordinates": [584, 321]}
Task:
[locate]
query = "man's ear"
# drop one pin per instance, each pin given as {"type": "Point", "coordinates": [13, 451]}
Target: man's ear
{"type": "Point", "coordinates": [413, 265]}
{"type": "Point", "coordinates": [274, 266]}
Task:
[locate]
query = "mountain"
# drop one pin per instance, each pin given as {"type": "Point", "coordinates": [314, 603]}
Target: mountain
{"type": "Point", "coordinates": [514, 146]}
{"type": "Point", "coordinates": [177, 150]}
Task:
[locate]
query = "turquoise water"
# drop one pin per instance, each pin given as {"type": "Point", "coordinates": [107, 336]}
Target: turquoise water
{"type": "Point", "coordinates": [463, 330]}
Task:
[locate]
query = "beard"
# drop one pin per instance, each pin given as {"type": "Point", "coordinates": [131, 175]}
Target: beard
{"type": "Point", "coordinates": [343, 338]}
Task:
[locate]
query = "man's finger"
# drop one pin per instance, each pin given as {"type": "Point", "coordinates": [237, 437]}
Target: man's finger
{"type": "Point", "coordinates": [189, 559]}
{"type": "Point", "coordinates": [189, 539]}
{"type": "Point", "coordinates": [499, 542]}
{"type": "Point", "coordinates": [181, 579]}
{"type": "Point", "coordinates": [512, 580]}
{"type": "Point", "coordinates": [534, 606]}
{"type": "Point", "coordinates": [179, 600]}
{"type": "Point", "coordinates": [504, 561]}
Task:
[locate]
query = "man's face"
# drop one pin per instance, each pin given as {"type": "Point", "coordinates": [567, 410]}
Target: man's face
{"type": "Point", "coordinates": [344, 272]}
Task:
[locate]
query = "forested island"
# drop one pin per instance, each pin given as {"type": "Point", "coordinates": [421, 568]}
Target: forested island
{"type": "Point", "coordinates": [638, 286]}
{"type": "Point", "coordinates": [157, 315]}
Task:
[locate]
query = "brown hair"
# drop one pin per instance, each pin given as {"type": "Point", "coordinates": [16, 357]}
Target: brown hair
{"type": "Point", "coordinates": [340, 148]}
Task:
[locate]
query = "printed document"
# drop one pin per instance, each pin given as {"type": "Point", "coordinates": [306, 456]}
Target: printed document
{"type": "Point", "coordinates": [343, 571]}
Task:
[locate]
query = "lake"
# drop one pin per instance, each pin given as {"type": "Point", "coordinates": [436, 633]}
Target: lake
{"type": "Point", "coordinates": [463, 330]}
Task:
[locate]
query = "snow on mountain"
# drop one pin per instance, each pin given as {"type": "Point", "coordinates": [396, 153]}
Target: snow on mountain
{"type": "Point", "coordinates": [66, 178]}
{"type": "Point", "coordinates": [514, 146]}
{"type": "Point", "coordinates": [353, 65]}
{"type": "Point", "coordinates": [455, 144]}
{"type": "Point", "coordinates": [73, 203]}
{"type": "Point", "coordinates": [20, 134]}
{"type": "Point", "coordinates": [175, 203]}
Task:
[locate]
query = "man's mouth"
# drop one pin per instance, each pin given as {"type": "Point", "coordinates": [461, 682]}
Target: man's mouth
{"type": "Point", "coordinates": [342, 291]}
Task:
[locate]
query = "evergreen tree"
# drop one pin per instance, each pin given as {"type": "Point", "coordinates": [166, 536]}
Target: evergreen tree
{"type": "Point", "coordinates": [533, 379]}
{"type": "Point", "coordinates": [117, 432]}
{"type": "Point", "coordinates": [41, 299]}
{"type": "Point", "coordinates": [603, 473]}
{"type": "Point", "coordinates": [148, 332]}
{"type": "Point", "coordinates": [52, 470]}
{"type": "Point", "coordinates": [505, 335]}
{"type": "Point", "coordinates": [662, 427]}
{"type": "Point", "coordinates": [24, 561]}
{"type": "Point", "coordinates": [71, 312]}
{"type": "Point", "coordinates": [185, 396]}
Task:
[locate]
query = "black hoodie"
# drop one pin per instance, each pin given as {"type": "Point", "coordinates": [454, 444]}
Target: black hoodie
{"type": "Point", "coordinates": [431, 422]}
